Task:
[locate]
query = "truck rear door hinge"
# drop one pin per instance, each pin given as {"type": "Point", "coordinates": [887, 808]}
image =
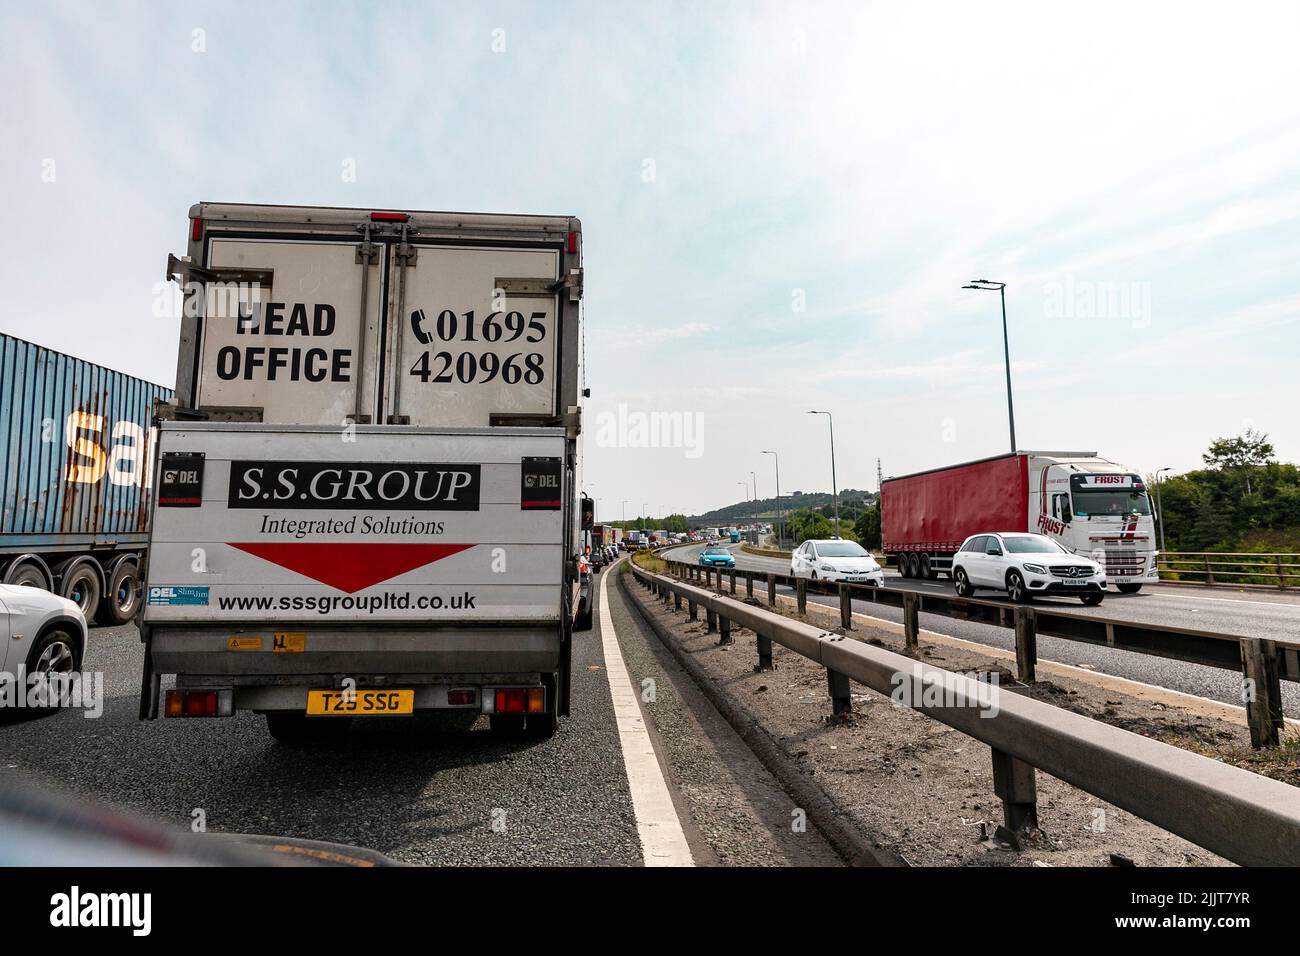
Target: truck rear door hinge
{"type": "Point", "coordinates": [542, 287]}
{"type": "Point", "coordinates": [183, 270]}
{"type": "Point", "coordinates": [573, 421]}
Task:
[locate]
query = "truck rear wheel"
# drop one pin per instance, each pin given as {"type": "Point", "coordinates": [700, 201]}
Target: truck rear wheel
{"type": "Point", "coordinates": [541, 726]}
{"type": "Point", "coordinates": [1129, 588]}
{"type": "Point", "coordinates": [506, 725]}
{"type": "Point", "coordinates": [292, 727]}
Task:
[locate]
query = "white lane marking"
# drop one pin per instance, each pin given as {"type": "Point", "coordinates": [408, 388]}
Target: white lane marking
{"type": "Point", "coordinates": [663, 843]}
{"type": "Point", "coordinates": [1192, 597]}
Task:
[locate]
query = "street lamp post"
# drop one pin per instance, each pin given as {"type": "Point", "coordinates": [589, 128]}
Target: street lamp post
{"type": "Point", "coordinates": [780, 515]}
{"type": "Point", "coordinates": [1001, 288]}
{"type": "Point", "coordinates": [1160, 509]}
{"type": "Point", "coordinates": [835, 488]}
{"type": "Point", "coordinates": [625, 501]}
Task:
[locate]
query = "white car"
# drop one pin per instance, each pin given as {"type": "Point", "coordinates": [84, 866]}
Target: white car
{"type": "Point", "coordinates": [1025, 565]}
{"type": "Point", "coordinates": [41, 632]}
{"type": "Point", "coordinates": [834, 559]}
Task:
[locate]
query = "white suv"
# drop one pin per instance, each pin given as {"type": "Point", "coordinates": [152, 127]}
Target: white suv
{"type": "Point", "coordinates": [833, 559]}
{"type": "Point", "coordinates": [1024, 565]}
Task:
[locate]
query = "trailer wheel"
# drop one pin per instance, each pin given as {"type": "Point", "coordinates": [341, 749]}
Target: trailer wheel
{"type": "Point", "coordinates": [27, 573]}
{"type": "Point", "coordinates": [926, 571]}
{"type": "Point", "coordinates": [903, 568]}
{"type": "Point", "coordinates": [81, 586]}
{"type": "Point", "coordinates": [123, 594]}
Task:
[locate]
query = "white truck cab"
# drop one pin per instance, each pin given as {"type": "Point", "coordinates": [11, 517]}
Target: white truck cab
{"type": "Point", "coordinates": [1098, 509]}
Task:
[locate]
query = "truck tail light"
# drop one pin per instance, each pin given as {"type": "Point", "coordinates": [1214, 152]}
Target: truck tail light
{"type": "Point", "coordinates": [519, 700]}
{"type": "Point", "coordinates": [573, 243]}
{"type": "Point", "coordinates": [512, 700]}
{"type": "Point", "coordinates": [196, 230]}
{"type": "Point", "coordinates": [199, 703]}
{"type": "Point", "coordinates": [459, 698]}
{"type": "Point", "coordinates": [390, 217]}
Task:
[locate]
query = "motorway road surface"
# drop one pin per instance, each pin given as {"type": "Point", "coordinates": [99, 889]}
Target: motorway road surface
{"type": "Point", "coordinates": [631, 778]}
{"type": "Point", "coordinates": [1248, 613]}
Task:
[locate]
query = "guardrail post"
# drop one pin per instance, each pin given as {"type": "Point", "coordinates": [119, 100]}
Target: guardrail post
{"type": "Point", "coordinates": [677, 601]}
{"type": "Point", "coordinates": [841, 703]}
{"type": "Point", "coordinates": [1281, 578]}
{"type": "Point", "coordinates": [911, 621]}
{"type": "Point", "coordinates": [1209, 572]}
{"type": "Point", "coordinates": [1026, 644]}
{"type": "Point", "coordinates": [1013, 782]}
{"type": "Point", "coordinates": [749, 584]}
{"type": "Point", "coordinates": [1262, 690]}
{"type": "Point", "coordinates": [764, 653]}
{"type": "Point", "coordinates": [771, 590]}
{"type": "Point", "coordinates": [692, 610]}
{"type": "Point", "coordinates": [710, 620]}
{"type": "Point", "coordinates": [724, 629]}
{"type": "Point", "coordinates": [801, 592]}
{"type": "Point", "coordinates": [846, 607]}
{"type": "Point", "coordinates": [732, 579]}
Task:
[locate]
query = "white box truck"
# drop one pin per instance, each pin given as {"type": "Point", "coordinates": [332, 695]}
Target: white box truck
{"type": "Point", "coordinates": [367, 481]}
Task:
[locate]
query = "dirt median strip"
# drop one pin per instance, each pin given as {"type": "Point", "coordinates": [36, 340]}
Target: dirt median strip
{"type": "Point", "coordinates": [914, 789]}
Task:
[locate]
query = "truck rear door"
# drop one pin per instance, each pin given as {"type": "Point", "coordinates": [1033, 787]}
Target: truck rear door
{"type": "Point", "coordinates": [473, 335]}
{"type": "Point", "coordinates": [291, 328]}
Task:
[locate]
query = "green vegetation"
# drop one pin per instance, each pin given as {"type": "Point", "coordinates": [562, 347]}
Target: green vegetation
{"type": "Point", "coordinates": [766, 509]}
{"type": "Point", "coordinates": [1243, 500]}
{"type": "Point", "coordinates": [650, 561]}
{"type": "Point", "coordinates": [671, 524]}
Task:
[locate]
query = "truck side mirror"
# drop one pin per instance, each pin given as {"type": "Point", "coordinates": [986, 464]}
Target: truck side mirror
{"type": "Point", "coordinates": [588, 519]}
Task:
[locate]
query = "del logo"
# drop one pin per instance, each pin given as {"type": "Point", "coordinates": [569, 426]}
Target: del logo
{"type": "Point", "coordinates": [180, 594]}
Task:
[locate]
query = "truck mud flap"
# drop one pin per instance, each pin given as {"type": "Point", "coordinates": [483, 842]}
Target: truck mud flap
{"type": "Point", "coordinates": [565, 675]}
{"type": "Point", "coordinates": [150, 684]}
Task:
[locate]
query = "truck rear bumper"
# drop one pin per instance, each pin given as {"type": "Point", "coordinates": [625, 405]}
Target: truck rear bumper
{"type": "Point", "coordinates": [292, 655]}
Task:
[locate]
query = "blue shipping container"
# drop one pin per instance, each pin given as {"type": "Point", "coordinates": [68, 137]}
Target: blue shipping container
{"type": "Point", "coordinates": [76, 451]}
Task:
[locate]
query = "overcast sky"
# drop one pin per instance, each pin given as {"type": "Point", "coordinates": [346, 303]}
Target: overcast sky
{"type": "Point", "coordinates": [781, 204]}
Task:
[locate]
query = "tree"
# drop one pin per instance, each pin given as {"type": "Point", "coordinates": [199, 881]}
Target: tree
{"type": "Point", "coordinates": [1240, 454]}
{"type": "Point", "coordinates": [867, 528]}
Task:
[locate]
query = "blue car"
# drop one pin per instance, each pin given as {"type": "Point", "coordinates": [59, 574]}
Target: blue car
{"type": "Point", "coordinates": [717, 558]}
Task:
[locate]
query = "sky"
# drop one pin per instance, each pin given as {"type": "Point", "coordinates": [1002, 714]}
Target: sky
{"type": "Point", "coordinates": [780, 206]}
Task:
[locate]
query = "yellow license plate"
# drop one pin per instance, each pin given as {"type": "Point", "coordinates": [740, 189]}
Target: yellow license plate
{"type": "Point", "coordinates": [359, 703]}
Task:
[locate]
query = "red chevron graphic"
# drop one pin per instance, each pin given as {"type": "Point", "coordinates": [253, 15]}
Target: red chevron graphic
{"type": "Point", "coordinates": [347, 566]}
